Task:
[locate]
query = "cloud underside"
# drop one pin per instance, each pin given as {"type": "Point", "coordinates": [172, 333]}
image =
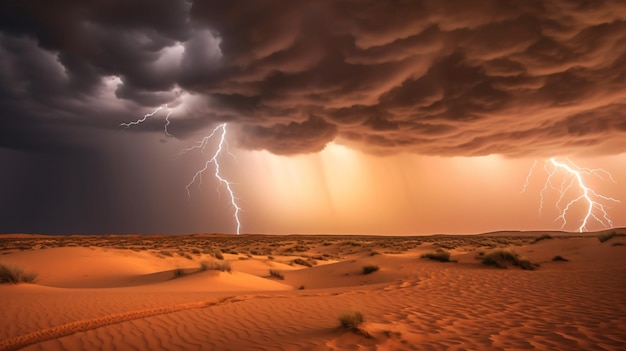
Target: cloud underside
{"type": "Point", "coordinates": [454, 78]}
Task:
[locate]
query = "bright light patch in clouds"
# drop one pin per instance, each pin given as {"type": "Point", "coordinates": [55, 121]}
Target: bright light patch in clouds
{"type": "Point", "coordinates": [170, 57]}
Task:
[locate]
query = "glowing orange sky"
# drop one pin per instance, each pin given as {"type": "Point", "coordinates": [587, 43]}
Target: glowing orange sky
{"type": "Point", "coordinates": [344, 191]}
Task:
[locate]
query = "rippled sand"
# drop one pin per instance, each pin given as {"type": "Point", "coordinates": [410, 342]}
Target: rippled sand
{"type": "Point", "coordinates": [117, 292]}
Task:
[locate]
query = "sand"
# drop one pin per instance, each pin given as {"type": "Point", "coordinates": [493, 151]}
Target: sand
{"type": "Point", "coordinates": [149, 293]}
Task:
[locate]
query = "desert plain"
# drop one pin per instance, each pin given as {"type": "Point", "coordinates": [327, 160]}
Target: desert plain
{"type": "Point", "coordinates": [496, 291]}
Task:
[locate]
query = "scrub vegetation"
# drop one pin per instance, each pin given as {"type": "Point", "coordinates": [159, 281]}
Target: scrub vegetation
{"type": "Point", "coordinates": [15, 275]}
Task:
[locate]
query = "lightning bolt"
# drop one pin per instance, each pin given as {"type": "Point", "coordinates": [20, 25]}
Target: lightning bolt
{"type": "Point", "coordinates": [530, 173]}
{"type": "Point", "coordinates": [201, 145]}
{"type": "Point", "coordinates": [148, 115]}
{"type": "Point", "coordinates": [223, 145]}
{"type": "Point", "coordinates": [573, 184]}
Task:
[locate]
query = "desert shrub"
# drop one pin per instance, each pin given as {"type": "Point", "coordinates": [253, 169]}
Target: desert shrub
{"type": "Point", "coordinates": [370, 269]}
{"type": "Point", "coordinates": [302, 262]}
{"type": "Point", "coordinates": [215, 266]}
{"type": "Point", "coordinates": [559, 258]}
{"type": "Point", "coordinates": [218, 254]}
{"type": "Point", "coordinates": [499, 258]}
{"type": "Point", "coordinates": [439, 255]}
{"type": "Point", "coordinates": [179, 272]}
{"type": "Point", "coordinates": [542, 237]}
{"type": "Point", "coordinates": [606, 236]}
{"type": "Point", "coordinates": [351, 320]}
{"type": "Point", "coordinates": [504, 258]}
{"type": "Point", "coordinates": [391, 334]}
{"type": "Point", "coordinates": [276, 274]}
{"type": "Point", "coordinates": [526, 265]}
{"type": "Point", "coordinates": [446, 245]}
{"type": "Point", "coordinates": [166, 253]}
{"type": "Point", "coordinates": [15, 275]}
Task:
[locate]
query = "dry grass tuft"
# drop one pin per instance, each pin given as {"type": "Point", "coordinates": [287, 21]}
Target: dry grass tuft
{"type": "Point", "coordinates": [212, 265]}
{"type": "Point", "coordinates": [166, 253]}
{"type": "Point", "coordinates": [542, 237]}
{"type": "Point", "coordinates": [218, 254]}
{"type": "Point", "coordinates": [352, 320]}
{"type": "Point", "coordinates": [370, 269]}
{"type": "Point", "coordinates": [15, 275]}
{"type": "Point", "coordinates": [277, 274]}
{"type": "Point", "coordinates": [504, 258]}
{"type": "Point", "coordinates": [608, 236]}
{"type": "Point", "coordinates": [302, 262]}
{"type": "Point", "coordinates": [439, 255]}
{"type": "Point", "coordinates": [179, 272]}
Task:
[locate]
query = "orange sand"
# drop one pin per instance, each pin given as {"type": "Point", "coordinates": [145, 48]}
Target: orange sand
{"type": "Point", "coordinates": [107, 297]}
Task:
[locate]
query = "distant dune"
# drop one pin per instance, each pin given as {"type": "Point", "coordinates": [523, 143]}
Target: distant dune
{"type": "Point", "coordinates": [557, 291]}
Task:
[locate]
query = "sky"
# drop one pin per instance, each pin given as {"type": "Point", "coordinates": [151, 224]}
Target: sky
{"type": "Point", "coordinates": [371, 117]}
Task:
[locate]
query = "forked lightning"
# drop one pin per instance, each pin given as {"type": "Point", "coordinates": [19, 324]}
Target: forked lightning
{"type": "Point", "coordinates": [146, 116]}
{"type": "Point", "coordinates": [574, 187]}
{"type": "Point", "coordinates": [198, 176]}
{"type": "Point", "coordinates": [201, 145]}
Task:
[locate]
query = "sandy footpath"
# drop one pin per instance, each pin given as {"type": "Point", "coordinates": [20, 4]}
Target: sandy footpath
{"type": "Point", "coordinates": [150, 293]}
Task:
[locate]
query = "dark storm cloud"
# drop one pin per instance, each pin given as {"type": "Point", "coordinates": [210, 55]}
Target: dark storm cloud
{"type": "Point", "coordinates": [59, 62]}
{"type": "Point", "coordinates": [311, 135]}
{"type": "Point", "coordinates": [431, 77]}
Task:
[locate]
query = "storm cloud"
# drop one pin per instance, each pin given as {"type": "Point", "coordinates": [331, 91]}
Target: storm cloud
{"type": "Point", "coordinates": [430, 77]}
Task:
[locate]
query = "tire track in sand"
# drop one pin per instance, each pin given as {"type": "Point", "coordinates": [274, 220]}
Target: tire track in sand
{"type": "Point", "coordinates": [42, 335]}
{"type": "Point", "coordinates": [36, 337]}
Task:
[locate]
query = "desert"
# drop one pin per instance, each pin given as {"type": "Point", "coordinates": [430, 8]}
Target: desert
{"type": "Point", "coordinates": [313, 175]}
{"type": "Point", "coordinates": [496, 291]}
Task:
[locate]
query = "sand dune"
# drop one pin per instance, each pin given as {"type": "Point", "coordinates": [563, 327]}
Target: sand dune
{"type": "Point", "coordinates": [145, 292]}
